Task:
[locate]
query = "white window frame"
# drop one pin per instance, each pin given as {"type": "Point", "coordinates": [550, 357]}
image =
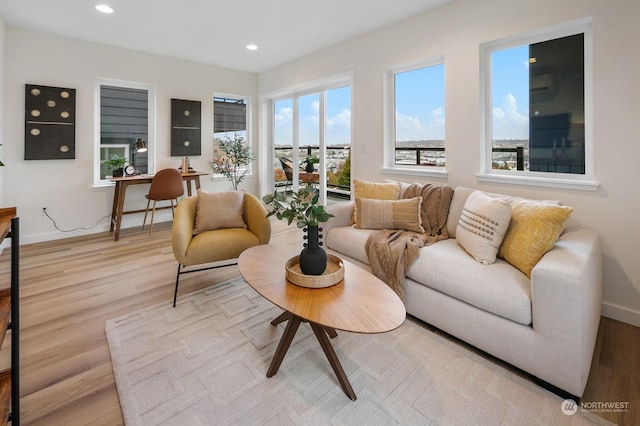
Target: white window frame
{"type": "Point", "coordinates": [248, 131]}
{"type": "Point", "coordinates": [389, 122]}
{"type": "Point", "coordinates": [151, 125]}
{"type": "Point", "coordinates": [319, 87]}
{"type": "Point", "coordinates": [534, 178]}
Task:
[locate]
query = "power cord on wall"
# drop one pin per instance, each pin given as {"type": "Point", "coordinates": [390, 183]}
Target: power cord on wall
{"type": "Point", "coordinates": [55, 225]}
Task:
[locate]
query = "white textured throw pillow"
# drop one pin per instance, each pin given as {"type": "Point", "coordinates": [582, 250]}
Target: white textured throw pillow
{"type": "Point", "coordinates": [483, 225]}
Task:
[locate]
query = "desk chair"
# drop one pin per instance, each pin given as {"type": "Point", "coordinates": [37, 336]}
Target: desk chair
{"type": "Point", "coordinates": [166, 186]}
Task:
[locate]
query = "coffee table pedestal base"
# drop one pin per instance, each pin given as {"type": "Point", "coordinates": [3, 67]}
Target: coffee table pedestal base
{"type": "Point", "coordinates": [321, 333]}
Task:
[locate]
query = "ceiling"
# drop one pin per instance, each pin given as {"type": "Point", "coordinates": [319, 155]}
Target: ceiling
{"type": "Point", "coordinates": [214, 32]}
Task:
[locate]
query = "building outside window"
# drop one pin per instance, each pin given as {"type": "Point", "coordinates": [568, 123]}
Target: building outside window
{"type": "Point", "coordinates": [125, 114]}
{"type": "Point", "coordinates": [537, 111]}
{"type": "Point", "coordinates": [229, 117]}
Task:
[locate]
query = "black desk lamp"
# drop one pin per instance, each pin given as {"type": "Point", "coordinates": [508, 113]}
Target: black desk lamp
{"type": "Point", "coordinates": [138, 146]}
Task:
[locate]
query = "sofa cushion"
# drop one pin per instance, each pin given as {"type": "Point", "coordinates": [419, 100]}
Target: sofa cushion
{"type": "Point", "coordinates": [218, 210]}
{"type": "Point", "coordinates": [498, 288]}
{"type": "Point", "coordinates": [482, 225]}
{"type": "Point", "coordinates": [374, 190]}
{"type": "Point", "coordinates": [534, 229]}
{"type": "Point", "coordinates": [389, 214]}
{"type": "Point", "coordinates": [349, 241]}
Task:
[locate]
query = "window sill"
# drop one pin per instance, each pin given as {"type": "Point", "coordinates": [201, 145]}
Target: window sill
{"type": "Point", "coordinates": [575, 184]}
{"type": "Point", "coordinates": [417, 171]}
{"type": "Point", "coordinates": [102, 185]}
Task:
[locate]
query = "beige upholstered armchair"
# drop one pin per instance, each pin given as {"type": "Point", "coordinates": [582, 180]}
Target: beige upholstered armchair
{"type": "Point", "coordinates": [209, 246]}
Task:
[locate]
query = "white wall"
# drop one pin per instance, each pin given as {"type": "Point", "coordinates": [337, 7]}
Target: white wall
{"type": "Point", "coordinates": [456, 30]}
{"type": "Point", "coordinates": [64, 186]}
{"type": "Point", "coordinates": [2, 36]}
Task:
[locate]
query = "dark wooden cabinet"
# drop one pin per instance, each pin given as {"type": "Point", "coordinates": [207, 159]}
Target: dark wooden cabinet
{"type": "Point", "coordinates": [9, 320]}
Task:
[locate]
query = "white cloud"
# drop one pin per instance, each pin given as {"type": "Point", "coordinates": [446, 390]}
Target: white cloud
{"type": "Point", "coordinates": [285, 115]}
{"type": "Point", "coordinates": [284, 126]}
{"type": "Point", "coordinates": [339, 128]}
{"type": "Point", "coordinates": [409, 128]}
{"type": "Point", "coordinates": [343, 118]}
{"type": "Point", "coordinates": [508, 122]}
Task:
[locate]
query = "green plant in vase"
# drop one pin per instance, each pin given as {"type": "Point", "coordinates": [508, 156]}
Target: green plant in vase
{"type": "Point", "coordinates": [303, 208]}
{"type": "Point", "coordinates": [115, 164]}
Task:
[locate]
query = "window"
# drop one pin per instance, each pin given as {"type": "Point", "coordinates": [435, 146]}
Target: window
{"type": "Point", "coordinates": [536, 114]}
{"type": "Point", "coordinates": [418, 117]}
{"type": "Point", "coordinates": [315, 124]}
{"type": "Point", "coordinates": [125, 113]}
{"type": "Point", "coordinates": [230, 118]}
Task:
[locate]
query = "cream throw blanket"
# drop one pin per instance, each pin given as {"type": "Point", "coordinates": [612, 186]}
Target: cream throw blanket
{"type": "Point", "coordinates": [392, 251]}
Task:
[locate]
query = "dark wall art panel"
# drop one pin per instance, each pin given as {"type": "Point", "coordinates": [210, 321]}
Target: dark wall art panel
{"type": "Point", "coordinates": [186, 127]}
{"type": "Point", "coordinates": [50, 117]}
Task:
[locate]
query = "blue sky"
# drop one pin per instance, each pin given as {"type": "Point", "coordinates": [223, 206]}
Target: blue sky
{"type": "Point", "coordinates": [420, 109]}
{"type": "Point", "coordinates": [420, 104]}
{"type": "Point", "coordinates": [510, 93]}
{"type": "Point", "coordinates": [338, 111]}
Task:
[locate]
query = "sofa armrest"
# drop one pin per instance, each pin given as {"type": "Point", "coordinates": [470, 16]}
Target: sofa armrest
{"type": "Point", "coordinates": [342, 215]}
{"type": "Point", "coordinates": [566, 297]}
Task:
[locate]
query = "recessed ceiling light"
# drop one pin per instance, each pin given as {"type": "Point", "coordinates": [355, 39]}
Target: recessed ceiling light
{"type": "Point", "coordinates": [252, 47]}
{"type": "Point", "coordinates": [104, 8]}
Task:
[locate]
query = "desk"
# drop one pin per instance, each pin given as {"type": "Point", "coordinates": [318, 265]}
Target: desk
{"type": "Point", "coordinates": [121, 189]}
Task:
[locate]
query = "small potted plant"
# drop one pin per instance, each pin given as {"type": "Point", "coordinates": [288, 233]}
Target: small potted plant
{"type": "Point", "coordinates": [115, 164]}
{"type": "Point", "coordinates": [309, 162]}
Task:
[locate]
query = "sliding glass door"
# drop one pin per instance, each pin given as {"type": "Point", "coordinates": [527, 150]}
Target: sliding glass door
{"type": "Point", "coordinates": [312, 141]}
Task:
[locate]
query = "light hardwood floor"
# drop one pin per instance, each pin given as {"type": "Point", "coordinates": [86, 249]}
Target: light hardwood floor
{"type": "Point", "coordinates": [70, 287]}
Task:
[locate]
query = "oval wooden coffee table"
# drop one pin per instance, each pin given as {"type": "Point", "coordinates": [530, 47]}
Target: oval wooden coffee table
{"type": "Point", "coordinates": [360, 303]}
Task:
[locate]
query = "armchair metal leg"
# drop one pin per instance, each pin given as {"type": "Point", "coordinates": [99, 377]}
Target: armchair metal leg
{"type": "Point", "coordinates": [175, 293]}
{"type": "Point", "coordinates": [180, 272]}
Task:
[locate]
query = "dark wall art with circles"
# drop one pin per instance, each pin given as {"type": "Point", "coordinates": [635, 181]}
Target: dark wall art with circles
{"type": "Point", "coordinates": [50, 123]}
{"type": "Point", "coordinates": [185, 127]}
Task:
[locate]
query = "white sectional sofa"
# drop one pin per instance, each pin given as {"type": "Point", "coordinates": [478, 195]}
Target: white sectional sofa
{"type": "Point", "coordinates": [546, 325]}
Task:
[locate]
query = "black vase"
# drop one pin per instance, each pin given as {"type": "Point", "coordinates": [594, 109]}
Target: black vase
{"type": "Point", "coordinates": [313, 258]}
{"type": "Point", "coordinates": [309, 168]}
{"type": "Point", "coordinates": [118, 172]}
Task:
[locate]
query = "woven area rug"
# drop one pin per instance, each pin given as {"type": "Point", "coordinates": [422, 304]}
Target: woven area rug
{"type": "Point", "coordinates": [205, 361]}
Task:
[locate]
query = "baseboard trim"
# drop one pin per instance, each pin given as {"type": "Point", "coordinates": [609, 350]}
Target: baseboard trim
{"type": "Point", "coordinates": [621, 313]}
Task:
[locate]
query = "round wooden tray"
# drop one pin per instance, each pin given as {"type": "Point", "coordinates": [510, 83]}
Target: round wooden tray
{"type": "Point", "coordinates": [331, 276]}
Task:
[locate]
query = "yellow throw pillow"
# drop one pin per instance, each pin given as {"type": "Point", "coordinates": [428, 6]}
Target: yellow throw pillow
{"type": "Point", "coordinates": [389, 214]}
{"type": "Point", "coordinates": [217, 210]}
{"type": "Point", "coordinates": [534, 229]}
{"type": "Point", "coordinates": [374, 190]}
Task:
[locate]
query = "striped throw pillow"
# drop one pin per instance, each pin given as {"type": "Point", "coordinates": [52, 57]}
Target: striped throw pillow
{"type": "Point", "coordinates": [389, 214]}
